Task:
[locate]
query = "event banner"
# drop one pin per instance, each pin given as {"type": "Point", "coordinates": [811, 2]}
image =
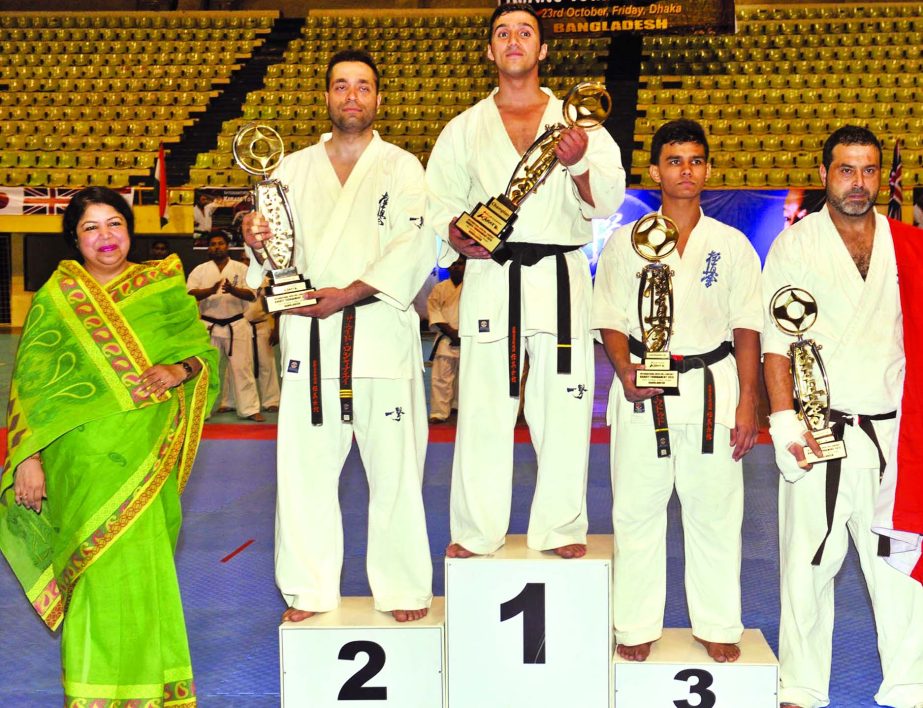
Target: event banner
{"type": "Point", "coordinates": [594, 18]}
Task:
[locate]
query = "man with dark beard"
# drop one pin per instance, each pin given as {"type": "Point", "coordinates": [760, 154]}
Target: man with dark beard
{"type": "Point", "coordinates": [352, 363]}
{"type": "Point", "coordinates": [844, 256]}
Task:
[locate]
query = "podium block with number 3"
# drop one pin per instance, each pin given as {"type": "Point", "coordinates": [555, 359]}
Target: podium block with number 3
{"type": "Point", "coordinates": [680, 674]}
{"type": "Point", "coordinates": [355, 656]}
{"type": "Point", "coordinates": [527, 628]}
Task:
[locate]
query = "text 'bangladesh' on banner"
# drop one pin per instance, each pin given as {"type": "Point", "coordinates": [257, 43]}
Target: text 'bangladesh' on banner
{"type": "Point", "coordinates": [593, 18]}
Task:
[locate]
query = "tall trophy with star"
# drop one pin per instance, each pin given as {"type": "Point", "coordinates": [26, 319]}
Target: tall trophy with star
{"type": "Point", "coordinates": [794, 311]}
{"type": "Point", "coordinates": [258, 150]}
{"type": "Point", "coordinates": [654, 237]}
{"type": "Point", "coordinates": [586, 106]}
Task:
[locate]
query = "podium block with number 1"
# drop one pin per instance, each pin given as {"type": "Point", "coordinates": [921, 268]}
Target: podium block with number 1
{"type": "Point", "coordinates": [527, 628]}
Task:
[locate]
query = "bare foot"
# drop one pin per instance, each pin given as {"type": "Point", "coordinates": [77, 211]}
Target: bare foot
{"type": "Point", "coordinates": [272, 409]}
{"type": "Point", "coordinates": [258, 417]}
{"type": "Point", "coordinates": [634, 652]}
{"type": "Point", "coordinates": [293, 614]}
{"type": "Point", "coordinates": [720, 651]}
{"type": "Point", "coordinates": [456, 550]}
{"type": "Point", "coordinates": [572, 550]}
{"type": "Point", "coordinates": [224, 409]}
{"type": "Point", "coordinates": [409, 615]}
{"type": "Point", "coordinates": [789, 705]}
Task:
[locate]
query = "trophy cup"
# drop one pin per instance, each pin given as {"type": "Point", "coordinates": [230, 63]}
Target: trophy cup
{"type": "Point", "coordinates": [586, 105]}
{"type": "Point", "coordinates": [654, 237]}
{"type": "Point", "coordinates": [794, 312]}
{"type": "Point", "coordinates": [257, 150]}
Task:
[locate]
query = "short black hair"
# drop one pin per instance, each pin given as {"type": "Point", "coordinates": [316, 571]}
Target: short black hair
{"type": "Point", "coordinates": [508, 7]}
{"type": "Point", "coordinates": [221, 235]}
{"type": "Point", "coordinates": [849, 135]}
{"type": "Point", "coordinates": [84, 199]}
{"type": "Point", "coordinates": [160, 240]}
{"type": "Point", "coordinates": [359, 55]}
{"type": "Point", "coordinates": [677, 131]}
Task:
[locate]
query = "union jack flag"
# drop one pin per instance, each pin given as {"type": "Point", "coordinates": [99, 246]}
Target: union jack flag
{"type": "Point", "coordinates": [896, 200]}
{"type": "Point", "coordinates": [46, 201]}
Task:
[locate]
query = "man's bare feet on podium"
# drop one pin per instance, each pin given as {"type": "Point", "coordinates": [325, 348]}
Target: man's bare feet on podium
{"type": "Point", "coordinates": [789, 705]}
{"type": "Point", "coordinates": [720, 651]}
{"type": "Point", "coordinates": [634, 652]}
{"type": "Point", "coordinates": [456, 550]}
{"type": "Point", "coordinates": [409, 615]}
{"type": "Point", "coordinates": [571, 550]}
{"type": "Point", "coordinates": [293, 614]}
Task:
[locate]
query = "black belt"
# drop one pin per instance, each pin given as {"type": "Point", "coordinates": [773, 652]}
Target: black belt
{"type": "Point", "coordinates": [682, 364]}
{"type": "Point", "coordinates": [226, 322]}
{"type": "Point", "coordinates": [528, 254]}
{"type": "Point", "coordinates": [256, 352]}
{"type": "Point", "coordinates": [347, 339]}
{"type": "Point", "coordinates": [838, 422]}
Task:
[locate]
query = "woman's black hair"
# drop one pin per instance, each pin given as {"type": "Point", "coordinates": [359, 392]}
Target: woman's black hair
{"type": "Point", "coordinates": [84, 199]}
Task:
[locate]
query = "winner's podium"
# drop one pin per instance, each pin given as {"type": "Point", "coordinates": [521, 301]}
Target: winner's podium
{"type": "Point", "coordinates": [527, 628]}
{"type": "Point", "coordinates": [356, 656]}
{"type": "Point", "coordinates": [679, 673]}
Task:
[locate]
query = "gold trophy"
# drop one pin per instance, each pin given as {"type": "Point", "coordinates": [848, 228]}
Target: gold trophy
{"type": "Point", "coordinates": [794, 312]}
{"type": "Point", "coordinates": [258, 150]}
{"type": "Point", "coordinates": [654, 237]}
{"type": "Point", "coordinates": [586, 105]}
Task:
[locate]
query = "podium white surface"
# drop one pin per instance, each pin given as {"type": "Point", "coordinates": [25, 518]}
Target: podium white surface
{"type": "Point", "coordinates": [356, 656]}
{"type": "Point", "coordinates": [526, 628]}
{"type": "Point", "coordinates": [680, 674]}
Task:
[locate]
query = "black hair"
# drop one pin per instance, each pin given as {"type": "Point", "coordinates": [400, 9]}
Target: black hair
{"type": "Point", "coordinates": [359, 55]}
{"type": "Point", "coordinates": [85, 198]}
{"type": "Point", "coordinates": [508, 7]}
{"type": "Point", "coordinates": [849, 135]}
{"type": "Point", "coordinates": [219, 234]}
{"type": "Point", "coordinates": [677, 131]}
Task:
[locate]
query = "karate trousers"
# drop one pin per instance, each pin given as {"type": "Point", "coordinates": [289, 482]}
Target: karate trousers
{"type": "Point", "coordinates": [711, 494]}
{"type": "Point", "coordinates": [558, 409]}
{"type": "Point", "coordinates": [806, 625]}
{"type": "Point", "coordinates": [268, 378]}
{"type": "Point", "coordinates": [391, 432]}
{"type": "Point", "coordinates": [239, 370]}
{"type": "Point", "coordinates": [443, 390]}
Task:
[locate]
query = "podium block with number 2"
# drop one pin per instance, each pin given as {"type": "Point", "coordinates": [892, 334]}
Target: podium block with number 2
{"type": "Point", "coordinates": [355, 656]}
{"type": "Point", "coordinates": [527, 628]}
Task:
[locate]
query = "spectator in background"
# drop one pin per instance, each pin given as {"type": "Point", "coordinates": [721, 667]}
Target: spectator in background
{"type": "Point", "coordinates": [442, 305]}
{"type": "Point", "coordinates": [420, 301]}
{"type": "Point", "coordinates": [160, 249]}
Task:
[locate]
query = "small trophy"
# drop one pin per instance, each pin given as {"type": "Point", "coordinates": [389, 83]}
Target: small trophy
{"type": "Point", "coordinates": [586, 105]}
{"type": "Point", "coordinates": [794, 312]}
{"type": "Point", "coordinates": [654, 237]}
{"type": "Point", "coordinates": [258, 150]}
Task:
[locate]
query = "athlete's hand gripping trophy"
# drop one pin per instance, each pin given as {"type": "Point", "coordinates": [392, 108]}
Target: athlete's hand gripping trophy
{"type": "Point", "coordinates": [794, 311]}
{"type": "Point", "coordinates": [258, 150]}
{"type": "Point", "coordinates": [587, 105]}
{"type": "Point", "coordinates": [654, 237]}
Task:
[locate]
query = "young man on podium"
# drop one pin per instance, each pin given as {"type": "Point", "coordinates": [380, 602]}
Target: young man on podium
{"type": "Point", "coordinates": [352, 363]}
{"type": "Point", "coordinates": [862, 270]}
{"type": "Point", "coordinates": [535, 303]}
{"type": "Point", "coordinates": [693, 441]}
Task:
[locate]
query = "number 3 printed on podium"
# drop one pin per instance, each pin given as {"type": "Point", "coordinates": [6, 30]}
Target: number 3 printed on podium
{"type": "Point", "coordinates": [703, 680]}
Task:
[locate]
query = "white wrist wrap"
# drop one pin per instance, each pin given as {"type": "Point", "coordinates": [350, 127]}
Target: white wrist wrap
{"type": "Point", "coordinates": [786, 428]}
{"type": "Point", "coordinates": [579, 167]}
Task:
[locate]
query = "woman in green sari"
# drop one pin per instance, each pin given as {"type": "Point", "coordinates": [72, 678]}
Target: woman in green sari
{"type": "Point", "coordinates": [114, 375]}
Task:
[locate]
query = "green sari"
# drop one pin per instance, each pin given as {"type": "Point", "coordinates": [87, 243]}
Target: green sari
{"type": "Point", "coordinates": [100, 553]}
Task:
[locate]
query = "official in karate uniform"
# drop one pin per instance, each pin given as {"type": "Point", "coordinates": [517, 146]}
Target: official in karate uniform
{"type": "Point", "coordinates": [353, 362]}
{"type": "Point", "coordinates": [442, 306]}
{"type": "Point", "coordinates": [693, 441]}
{"type": "Point", "coordinates": [221, 289]}
{"type": "Point", "coordinates": [548, 320]}
{"type": "Point", "coordinates": [844, 257]}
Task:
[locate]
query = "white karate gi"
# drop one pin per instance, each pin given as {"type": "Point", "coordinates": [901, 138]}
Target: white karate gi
{"type": "Point", "coordinates": [239, 370]}
{"type": "Point", "coordinates": [859, 329]}
{"type": "Point", "coordinates": [472, 162]}
{"type": "Point", "coordinates": [716, 286]}
{"type": "Point", "coordinates": [267, 373]}
{"type": "Point", "coordinates": [442, 306]}
{"type": "Point", "coordinates": [369, 229]}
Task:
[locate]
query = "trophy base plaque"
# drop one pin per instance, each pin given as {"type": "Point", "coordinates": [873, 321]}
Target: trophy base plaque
{"type": "Point", "coordinates": [490, 225]}
{"type": "Point", "coordinates": [830, 447]}
{"type": "Point", "coordinates": [657, 374]}
{"type": "Point", "coordinates": [287, 291]}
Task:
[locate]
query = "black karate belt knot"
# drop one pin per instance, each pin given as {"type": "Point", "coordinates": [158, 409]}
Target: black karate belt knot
{"type": "Point", "coordinates": [838, 422]}
{"type": "Point", "coordinates": [224, 322]}
{"type": "Point", "coordinates": [527, 255]}
{"type": "Point", "coordinates": [683, 364]}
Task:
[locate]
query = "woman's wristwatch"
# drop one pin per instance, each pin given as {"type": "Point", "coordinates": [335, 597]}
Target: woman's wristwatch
{"type": "Point", "coordinates": [187, 368]}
